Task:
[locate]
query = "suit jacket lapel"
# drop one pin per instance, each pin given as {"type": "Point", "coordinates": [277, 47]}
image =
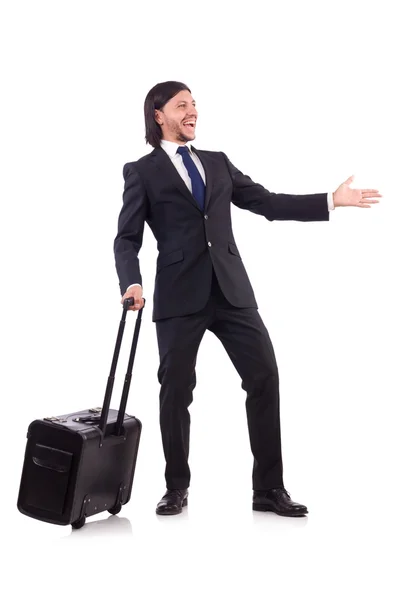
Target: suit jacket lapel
{"type": "Point", "coordinates": [164, 164]}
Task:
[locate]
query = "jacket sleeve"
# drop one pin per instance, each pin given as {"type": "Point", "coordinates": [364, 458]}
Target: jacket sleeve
{"type": "Point", "coordinates": [131, 223]}
{"type": "Point", "coordinates": [280, 207]}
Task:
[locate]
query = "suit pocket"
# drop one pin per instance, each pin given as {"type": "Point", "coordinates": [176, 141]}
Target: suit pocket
{"type": "Point", "coordinates": [233, 249]}
{"type": "Point", "coordinates": [164, 260]}
{"type": "Point", "coordinates": [223, 182]}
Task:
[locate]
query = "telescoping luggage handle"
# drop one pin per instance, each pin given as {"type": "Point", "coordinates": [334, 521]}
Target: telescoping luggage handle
{"type": "Point", "coordinates": [109, 388]}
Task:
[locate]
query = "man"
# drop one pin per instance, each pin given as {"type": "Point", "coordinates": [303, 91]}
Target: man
{"type": "Point", "coordinates": [184, 195]}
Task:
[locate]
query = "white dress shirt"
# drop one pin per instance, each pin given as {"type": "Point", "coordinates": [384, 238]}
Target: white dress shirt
{"type": "Point", "coordinates": [176, 158]}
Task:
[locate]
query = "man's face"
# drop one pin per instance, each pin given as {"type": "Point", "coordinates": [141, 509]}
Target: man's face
{"type": "Point", "coordinates": [175, 115]}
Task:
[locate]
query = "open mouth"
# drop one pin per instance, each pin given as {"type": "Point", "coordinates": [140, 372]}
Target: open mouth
{"type": "Point", "coordinates": [190, 125]}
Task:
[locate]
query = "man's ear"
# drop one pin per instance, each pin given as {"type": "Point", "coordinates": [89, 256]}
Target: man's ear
{"type": "Point", "coordinates": [157, 116]}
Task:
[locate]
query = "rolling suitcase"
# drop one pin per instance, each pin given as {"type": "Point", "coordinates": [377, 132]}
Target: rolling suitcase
{"type": "Point", "coordinates": [83, 463]}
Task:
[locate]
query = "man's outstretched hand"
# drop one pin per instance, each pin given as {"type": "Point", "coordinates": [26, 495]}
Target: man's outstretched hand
{"type": "Point", "coordinates": [346, 196]}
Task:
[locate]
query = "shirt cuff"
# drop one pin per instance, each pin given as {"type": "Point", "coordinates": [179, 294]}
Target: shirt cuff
{"type": "Point", "coordinates": [132, 284]}
{"type": "Point", "coordinates": [330, 201]}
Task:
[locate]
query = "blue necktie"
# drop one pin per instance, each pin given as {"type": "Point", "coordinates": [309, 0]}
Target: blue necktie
{"type": "Point", "coordinates": [198, 187]}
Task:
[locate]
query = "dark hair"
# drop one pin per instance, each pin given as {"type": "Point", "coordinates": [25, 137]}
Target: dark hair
{"type": "Point", "coordinates": [159, 95]}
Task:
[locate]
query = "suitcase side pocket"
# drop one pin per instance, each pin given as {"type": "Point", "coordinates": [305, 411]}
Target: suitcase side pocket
{"type": "Point", "coordinates": [48, 477]}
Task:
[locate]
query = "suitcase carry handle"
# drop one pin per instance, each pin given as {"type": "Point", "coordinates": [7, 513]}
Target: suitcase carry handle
{"type": "Point", "coordinates": [109, 388]}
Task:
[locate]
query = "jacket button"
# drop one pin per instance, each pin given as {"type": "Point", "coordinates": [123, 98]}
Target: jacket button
{"type": "Point", "coordinates": [209, 243]}
{"type": "Point", "coordinates": [205, 216]}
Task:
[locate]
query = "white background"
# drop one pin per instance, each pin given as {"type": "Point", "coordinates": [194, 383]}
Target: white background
{"type": "Point", "coordinates": [299, 95]}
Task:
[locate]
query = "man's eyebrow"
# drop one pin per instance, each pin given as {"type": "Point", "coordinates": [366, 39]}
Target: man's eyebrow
{"type": "Point", "coordinates": [184, 102]}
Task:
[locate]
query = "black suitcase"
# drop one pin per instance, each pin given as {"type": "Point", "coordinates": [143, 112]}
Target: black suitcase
{"type": "Point", "coordinates": [81, 464]}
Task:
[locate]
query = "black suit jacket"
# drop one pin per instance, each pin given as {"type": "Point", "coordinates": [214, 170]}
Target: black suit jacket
{"type": "Point", "coordinates": [190, 242]}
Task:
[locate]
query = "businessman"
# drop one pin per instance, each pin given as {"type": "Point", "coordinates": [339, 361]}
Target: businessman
{"type": "Point", "coordinates": [184, 195]}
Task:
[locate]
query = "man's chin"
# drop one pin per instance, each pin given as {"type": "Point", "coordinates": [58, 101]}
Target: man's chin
{"type": "Point", "coordinates": [188, 138]}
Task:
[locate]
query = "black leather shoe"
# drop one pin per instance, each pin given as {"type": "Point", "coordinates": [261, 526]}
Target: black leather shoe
{"type": "Point", "coordinates": [279, 501]}
{"type": "Point", "coordinates": [172, 502]}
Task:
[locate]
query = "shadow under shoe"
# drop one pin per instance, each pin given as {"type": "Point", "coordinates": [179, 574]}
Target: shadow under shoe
{"type": "Point", "coordinates": [279, 501]}
{"type": "Point", "coordinates": [172, 502]}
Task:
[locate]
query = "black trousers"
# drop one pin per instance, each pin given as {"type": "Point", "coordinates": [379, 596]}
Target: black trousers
{"type": "Point", "coordinates": [247, 342]}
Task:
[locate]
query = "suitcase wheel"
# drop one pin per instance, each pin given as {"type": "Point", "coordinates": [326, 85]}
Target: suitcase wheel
{"type": "Point", "coordinates": [79, 523]}
{"type": "Point", "coordinates": [116, 509]}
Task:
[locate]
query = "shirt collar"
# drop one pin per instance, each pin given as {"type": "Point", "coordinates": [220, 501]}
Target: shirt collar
{"type": "Point", "coordinates": [172, 147]}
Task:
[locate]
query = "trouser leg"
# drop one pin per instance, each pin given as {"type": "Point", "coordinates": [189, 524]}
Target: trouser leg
{"type": "Point", "coordinates": [247, 342]}
{"type": "Point", "coordinates": [178, 341]}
